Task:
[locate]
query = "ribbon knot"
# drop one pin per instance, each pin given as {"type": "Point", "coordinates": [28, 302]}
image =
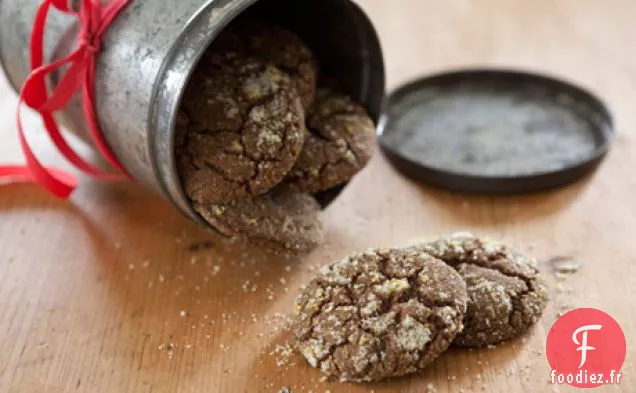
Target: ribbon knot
{"type": "Point", "coordinates": [91, 43]}
{"type": "Point", "coordinates": [94, 19]}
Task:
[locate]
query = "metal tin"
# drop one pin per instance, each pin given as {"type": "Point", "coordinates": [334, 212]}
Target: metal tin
{"type": "Point", "coordinates": [150, 51]}
{"type": "Point", "coordinates": [548, 115]}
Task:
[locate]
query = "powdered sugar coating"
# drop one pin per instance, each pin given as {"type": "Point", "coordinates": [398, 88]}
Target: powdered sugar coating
{"type": "Point", "coordinates": [279, 220]}
{"type": "Point", "coordinates": [339, 143]}
{"type": "Point", "coordinates": [506, 292]}
{"type": "Point", "coordinates": [285, 50]}
{"type": "Point", "coordinates": [242, 129]}
{"type": "Point", "coordinates": [379, 314]}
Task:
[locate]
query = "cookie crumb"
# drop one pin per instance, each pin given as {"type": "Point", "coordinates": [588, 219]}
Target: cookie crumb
{"type": "Point", "coordinates": [283, 355]}
{"type": "Point", "coordinates": [200, 246]}
{"type": "Point", "coordinates": [169, 348]}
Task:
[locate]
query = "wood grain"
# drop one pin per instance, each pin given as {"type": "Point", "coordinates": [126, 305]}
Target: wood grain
{"type": "Point", "coordinates": [92, 290]}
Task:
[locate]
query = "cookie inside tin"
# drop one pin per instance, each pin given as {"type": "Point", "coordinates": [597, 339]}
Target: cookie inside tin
{"type": "Point", "coordinates": [266, 133]}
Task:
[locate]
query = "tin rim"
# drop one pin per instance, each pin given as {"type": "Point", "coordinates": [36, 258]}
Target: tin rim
{"type": "Point", "coordinates": [170, 85]}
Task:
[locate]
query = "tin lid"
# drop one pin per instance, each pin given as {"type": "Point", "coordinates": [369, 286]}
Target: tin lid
{"type": "Point", "coordinates": [494, 131]}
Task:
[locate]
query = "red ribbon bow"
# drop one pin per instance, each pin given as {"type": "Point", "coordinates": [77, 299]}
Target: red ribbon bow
{"type": "Point", "coordinates": [94, 19]}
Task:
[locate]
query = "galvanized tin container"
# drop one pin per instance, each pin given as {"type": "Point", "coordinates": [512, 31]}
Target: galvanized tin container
{"type": "Point", "coordinates": [150, 51]}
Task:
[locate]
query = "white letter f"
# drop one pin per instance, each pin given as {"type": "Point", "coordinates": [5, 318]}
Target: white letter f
{"type": "Point", "coordinates": [583, 345]}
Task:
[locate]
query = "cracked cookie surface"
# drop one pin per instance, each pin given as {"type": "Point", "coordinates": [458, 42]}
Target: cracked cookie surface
{"type": "Point", "coordinates": [241, 127]}
{"type": "Point", "coordinates": [278, 220]}
{"type": "Point", "coordinates": [506, 292]}
{"type": "Point", "coordinates": [339, 143]}
{"type": "Point", "coordinates": [379, 314]}
{"type": "Point", "coordinates": [285, 50]}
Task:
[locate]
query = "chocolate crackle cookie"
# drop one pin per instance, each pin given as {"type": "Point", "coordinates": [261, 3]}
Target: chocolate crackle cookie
{"type": "Point", "coordinates": [339, 143]}
{"type": "Point", "coordinates": [241, 129]}
{"type": "Point", "coordinates": [286, 51]}
{"type": "Point", "coordinates": [505, 290]}
{"type": "Point", "coordinates": [379, 314]}
{"type": "Point", "coordinates": [278, 219]}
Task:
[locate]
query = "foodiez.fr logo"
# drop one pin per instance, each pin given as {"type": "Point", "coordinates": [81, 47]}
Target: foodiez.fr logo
{"type": "Point", "coordinates": [586, 348]}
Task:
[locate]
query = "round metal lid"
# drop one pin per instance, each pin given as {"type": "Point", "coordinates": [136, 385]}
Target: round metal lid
{"type": "Point", "coordinates": [494, 131]}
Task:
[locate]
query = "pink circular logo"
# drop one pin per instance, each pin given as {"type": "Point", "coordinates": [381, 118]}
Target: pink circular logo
{"type": "Point", "coordinates": [586, 348]}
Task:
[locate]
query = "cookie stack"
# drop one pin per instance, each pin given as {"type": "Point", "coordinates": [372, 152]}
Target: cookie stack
{"type": "Point", "coordinates": [386, 313]}
{"type": "Point", "coordinates": [256, 137]}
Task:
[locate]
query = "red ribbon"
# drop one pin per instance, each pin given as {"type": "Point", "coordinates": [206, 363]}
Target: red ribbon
{"type": "Point", "coordinates": [94, 19]}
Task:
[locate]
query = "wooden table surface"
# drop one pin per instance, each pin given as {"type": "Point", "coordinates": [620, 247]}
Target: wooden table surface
{"type": "Point", "coordinates": [115, 292]}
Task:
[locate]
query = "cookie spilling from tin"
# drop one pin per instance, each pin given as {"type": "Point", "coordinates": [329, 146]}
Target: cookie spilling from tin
{"type": "Point", "coordinates": [279, 219]}
{"type": "Point", "coordinates": [257, 137]}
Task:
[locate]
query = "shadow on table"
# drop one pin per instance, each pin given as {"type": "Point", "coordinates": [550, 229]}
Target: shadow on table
{"type": "Point", "coordinates": [469, 369]}
{"type": "Point", "coordinates": [485, 211]}
{"type": "Point", "coordinates": [187, 289]}
{"type": "Point", "coordinates": [176, 290]}
{"type": "Point", "coordinates": [24, 196]}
